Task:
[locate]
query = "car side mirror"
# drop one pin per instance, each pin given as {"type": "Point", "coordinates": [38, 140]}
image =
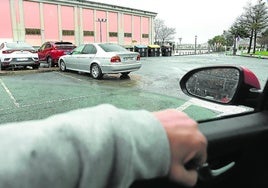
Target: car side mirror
{"type": "Point", "coordinates": [70, 53]}
{"type": "Point", "coordinates": [222, 84]}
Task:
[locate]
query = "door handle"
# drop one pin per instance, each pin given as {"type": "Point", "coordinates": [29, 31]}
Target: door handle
{"type": "Point", "coordinates": [205, 173]}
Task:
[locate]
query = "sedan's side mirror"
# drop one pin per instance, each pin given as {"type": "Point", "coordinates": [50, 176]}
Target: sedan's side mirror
{"type": "Point", "coordinates": [222, 84]}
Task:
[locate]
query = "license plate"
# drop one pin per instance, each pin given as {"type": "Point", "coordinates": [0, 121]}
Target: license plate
{"type": "Point", "coordinates": [22, 59]}
{"type": "Point", "coordinates": [128, 58]}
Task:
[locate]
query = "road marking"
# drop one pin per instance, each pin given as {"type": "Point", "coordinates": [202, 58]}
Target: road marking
{"type": "Point", "coordinates": [10, 94]}
{"type": "Point", "coordinates": [223, 110]}
{"type": "Point", "coordinates": [68, 76]}
{"type": "Point", "coordinates": [184, 106]}
{"type": "Point", "coordinates": [62, 100]}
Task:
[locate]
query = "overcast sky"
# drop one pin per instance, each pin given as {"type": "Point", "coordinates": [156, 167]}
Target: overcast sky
{"type": "Point", "coordinates": [203, 18]}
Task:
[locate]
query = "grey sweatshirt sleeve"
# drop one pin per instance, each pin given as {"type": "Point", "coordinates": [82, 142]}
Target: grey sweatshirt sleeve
{"type": "Point", "coordinates": [94, 147]}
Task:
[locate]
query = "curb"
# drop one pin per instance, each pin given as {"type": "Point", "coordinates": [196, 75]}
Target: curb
{"type": "Point", "coordinates": [27, 71]}
{"type": "Point", "coordinates": [254, 56]}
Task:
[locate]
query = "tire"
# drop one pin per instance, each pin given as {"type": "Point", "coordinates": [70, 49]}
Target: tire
{"type": "Point", "coordinates": [35, 67]}
{"type": "Point", "coordinates": [62, 66]}
{"type": "Point", "coordinates": [124, 75]}
{"type": "Point", "coordinates": [49, 61]}
{"type": "Point", "coordinates": [96, 72]}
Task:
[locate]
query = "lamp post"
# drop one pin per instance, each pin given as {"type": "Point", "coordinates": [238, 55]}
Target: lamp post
{"type": "Point", "coordinates": [195, 44]}
{"type": "Point", "coordinates": [180, 39]}
{"type": "Point", "coordinates": [101, 20]}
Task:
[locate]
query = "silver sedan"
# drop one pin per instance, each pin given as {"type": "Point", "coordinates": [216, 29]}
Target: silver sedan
{"type": "Point", "coordinates": [101, 58]}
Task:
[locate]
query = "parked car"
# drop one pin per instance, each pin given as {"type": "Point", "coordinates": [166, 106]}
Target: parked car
{"type": "Point", "coordinates": [18, 54]}
{"type": "Point", "coordinates": [101, 58]}
{"type": "Point", "coordinates": [52, 51]}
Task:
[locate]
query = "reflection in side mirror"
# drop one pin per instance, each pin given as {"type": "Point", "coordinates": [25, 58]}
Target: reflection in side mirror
{"type": "Point", "coordinates": [233, 85]}
{"type": "Point", "coordinates": [214, 84]}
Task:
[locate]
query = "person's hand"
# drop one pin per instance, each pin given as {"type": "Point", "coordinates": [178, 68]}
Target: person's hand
{"type": "Point", "coordinates": [187, 144]}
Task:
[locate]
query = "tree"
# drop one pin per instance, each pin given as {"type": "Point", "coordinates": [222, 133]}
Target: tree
{"type": "Point", "coordinates": [217, 42]}
{"type": "Point", "coordinates": [261, 19]}
{"type": "Point", "coordinates": [238, 30]}
{"type": "Point", "coordinates": [162, 32]}
{"type": "Point", "coordinates": [228, 38]}
{"type": "Point", "coordinates": [255, 19]}
{"type": "Point", "coordinates": [263, 40]}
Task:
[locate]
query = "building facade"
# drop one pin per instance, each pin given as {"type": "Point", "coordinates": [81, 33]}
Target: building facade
{"type": "Point", "coordinates": [77, 21]}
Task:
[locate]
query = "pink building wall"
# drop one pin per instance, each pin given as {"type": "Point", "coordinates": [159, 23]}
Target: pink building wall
{"type": "Point", "coordinates": [17, 9]}
{"type": "Point", "coordinates": [51, 22]}
{"type": "Point", "coordinates": [67, 22]}
{"type": "Point", "coordinates": [88, 24]}
{"type": "Point", "coordinates": [103, 36]}
{"type": "Point", "coordinates": [37, 22]}
{"type": "Point", "coordinates": [113, 25]}
{"type": "Point", "coordinates": [136, 30]}
{"type": "Point", "coordinates": [128, 28]}
{"type": "Point", "coordinates": [145, 29]}
{"type": "Point", "coordinates": [32, 10]}
{"type": "Point", "coordinates": [5, 20]}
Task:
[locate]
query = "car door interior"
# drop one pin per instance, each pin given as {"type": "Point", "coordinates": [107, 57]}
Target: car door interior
{"type": "Point", "coordinates": [237, 151]}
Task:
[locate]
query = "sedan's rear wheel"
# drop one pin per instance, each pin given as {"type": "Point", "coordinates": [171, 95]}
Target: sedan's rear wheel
{"type": "Point", "coordinates": [96, 72]}
{"type": "Point", "coordinates": [124, 75]}
{"type": "Point", "coordinates": [62, 66]}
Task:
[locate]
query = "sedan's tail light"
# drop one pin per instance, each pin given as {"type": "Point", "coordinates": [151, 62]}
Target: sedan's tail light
{"type": "Point", "coordinates": [138, 57]}
{"type": "Point", "coordinates": [115, 59]}
{"type": "Point", "coordinates": [7, 51]}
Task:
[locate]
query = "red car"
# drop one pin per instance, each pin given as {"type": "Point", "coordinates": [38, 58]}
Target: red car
{"type": "Point", "coordinates": [52, 51]}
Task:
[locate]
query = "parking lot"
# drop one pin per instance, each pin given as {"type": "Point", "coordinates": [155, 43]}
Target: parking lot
{"type": "Point", "coordinates": [36, 94]}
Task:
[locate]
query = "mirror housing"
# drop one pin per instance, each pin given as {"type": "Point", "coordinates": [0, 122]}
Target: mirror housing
{"type": "Point", "coordinates": [233, 85]}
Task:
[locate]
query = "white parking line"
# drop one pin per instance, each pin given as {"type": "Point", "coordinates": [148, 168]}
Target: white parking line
{"type": "Point", "coordinates": [68, 76]}
{"type": "Point", "coordinates": [10, 94]}
{"type": "Point", "coordinates": [184, 106]}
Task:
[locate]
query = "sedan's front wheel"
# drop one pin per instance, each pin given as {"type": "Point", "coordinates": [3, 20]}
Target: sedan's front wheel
{"type": "Point", "coordinates": [62, 66]}
{"type": "Point", "coordinates": [96, 71]}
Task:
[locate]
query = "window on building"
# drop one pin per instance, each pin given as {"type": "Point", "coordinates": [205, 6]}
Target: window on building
{"type": "Point", "coordinates": [32, 31]}
{"type": "Point", "coordinates": [68, 32]}
{"type": "Point", "coordinates": [113, 34]}
{"type": "Point", "coordinates": [128, 35]}
{"type": "Point", "coordinates": [89, 33]}
{"type": "Point", "coordinates": [145, 35]}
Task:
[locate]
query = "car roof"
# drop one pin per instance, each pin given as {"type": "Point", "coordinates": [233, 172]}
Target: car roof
{"type": "Point", "coordinates": [17, 44]}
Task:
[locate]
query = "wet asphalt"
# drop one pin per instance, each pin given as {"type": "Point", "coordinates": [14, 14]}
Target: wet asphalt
{"type": "Point", "coordinates": [37, 94]}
